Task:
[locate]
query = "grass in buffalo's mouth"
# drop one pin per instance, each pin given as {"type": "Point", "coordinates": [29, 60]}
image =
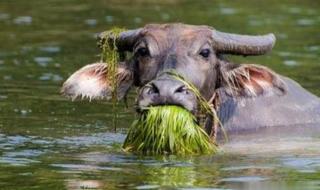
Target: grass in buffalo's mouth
{"type": "Point", "coordinates": [168, 130]}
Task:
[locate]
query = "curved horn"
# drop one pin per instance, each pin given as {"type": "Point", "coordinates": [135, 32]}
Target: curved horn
{"type": "Point", "coordinates": [124, 42]}
{"type": "Point", "coordinates": [242, 44]}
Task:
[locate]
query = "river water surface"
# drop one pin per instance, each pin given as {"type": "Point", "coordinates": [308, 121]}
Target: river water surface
{"type": "Point", "coordinates": [49, 142]}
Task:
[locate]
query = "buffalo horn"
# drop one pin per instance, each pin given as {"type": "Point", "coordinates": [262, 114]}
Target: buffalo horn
{"type": "Point", "coordinates": [227, 43]}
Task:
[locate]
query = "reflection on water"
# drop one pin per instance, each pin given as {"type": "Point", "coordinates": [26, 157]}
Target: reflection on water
{"type": "Point", "coordinates": [97, 162]}
{"type": "Point", "coordinates": [48, 142]}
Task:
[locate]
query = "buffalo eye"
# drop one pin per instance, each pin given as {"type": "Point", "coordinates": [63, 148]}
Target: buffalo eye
{"type": "Point", "coordinates": [143, 51]}
{"type": "Point", "coordinates": [205, 53]}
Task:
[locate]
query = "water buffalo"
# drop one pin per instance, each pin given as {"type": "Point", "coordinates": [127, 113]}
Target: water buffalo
{"type": "Point", "coordinates": [249, 98]}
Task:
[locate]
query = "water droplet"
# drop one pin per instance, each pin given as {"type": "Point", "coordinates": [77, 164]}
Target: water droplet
{"type": "Point", "coordinates": [137, 20]}
{"type": "Point", "coordinates": [305, 22]}
{"type": "Point", "coordinates": [26, 174]}
{"type": "Point", "coordinates": [290, 63]}
{"type": "Point", "coordinates": [50, 76]}
{"type": "Point", "coordinates": [84, 184]}
{"type": "Point", "coordinates": [284, 54]}
{"type": "Point", "coordinates": [91, 22]}
{"type": "Point", "coordinates": [255, 23]}
{"type": "Point", "coordinates": [294, 10]}
{"type": "Point", "coordinates": [312, 48]}
{"type": "Point", "coordinates": [282, 36]}
{"type": "Point", "coordinates": [16, 62]}
{"type": "Point", "coordinates": [50, 49]}
{"type": "Point", "coordinates": [109, 18]}
{"type": "Point", "coordinates": [165, 16]}
{"type": "Point", "coordinates": [23, 20]}
{"type": "Point", "coordinates": [2, 97]}
{"type": "Point", "coordinates": [7, 77]}
{"type": "Point", "coordinates": [147, 187]}
{"type": "Point", "coordinates": [23, 112]}
{"type": "Point", "coordinates": [43, 61]}
{"type": "Point", "coordinates": [227, 11]}
{"type": "Point", "coordinates": [244, 179]}
{"type": "Point", "coordinates": [26, 49]}
{"type": "Point", "coordinates": [4, 16]}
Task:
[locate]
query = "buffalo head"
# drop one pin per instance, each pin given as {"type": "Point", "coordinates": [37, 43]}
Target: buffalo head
{"type": "Point", "coordinates": [194, 52]}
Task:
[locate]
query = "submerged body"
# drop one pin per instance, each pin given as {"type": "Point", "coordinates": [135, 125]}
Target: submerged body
{"type": "Point", "coordinates": [296, 113]}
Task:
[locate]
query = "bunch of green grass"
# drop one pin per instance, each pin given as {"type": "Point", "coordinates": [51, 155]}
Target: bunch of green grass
{"type": "Point", "coordinates": [168, 130]}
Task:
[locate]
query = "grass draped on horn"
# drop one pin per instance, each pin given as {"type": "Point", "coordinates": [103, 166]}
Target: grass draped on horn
{"type": "Point", "coordinates": [168, 130]}
{"type": "Point", "coordinates": [110, 55]}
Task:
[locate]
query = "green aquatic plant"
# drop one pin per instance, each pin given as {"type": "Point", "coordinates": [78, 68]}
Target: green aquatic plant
{"type": "Point", "coordinates": [111, 56]}
{"type": "Point", "coordinates": [168, 130]}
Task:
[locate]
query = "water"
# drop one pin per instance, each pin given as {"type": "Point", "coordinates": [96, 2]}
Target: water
{"type": "Point", "coordinates": [48, 142]}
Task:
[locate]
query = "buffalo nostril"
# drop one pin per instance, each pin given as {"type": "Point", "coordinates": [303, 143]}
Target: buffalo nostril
{"type": "Point", "coordinates": [182, 89]}
{"type": "Point", "coordinates": [152, 89]}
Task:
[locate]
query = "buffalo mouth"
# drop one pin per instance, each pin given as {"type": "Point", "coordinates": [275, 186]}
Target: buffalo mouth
{"type": "Point", "coordinates": [171, 89]}
{"type": "Point", "coordinates": [168, 129]}
{"type": "Point", "coordinates": [172, 119]}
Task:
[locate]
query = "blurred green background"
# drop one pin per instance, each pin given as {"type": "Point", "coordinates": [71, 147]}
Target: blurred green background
{"type": "Point", "coordinates": [48, 142]}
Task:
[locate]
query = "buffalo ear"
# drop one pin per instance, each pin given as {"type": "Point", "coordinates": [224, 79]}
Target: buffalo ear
{"type": "Point", "coordinates": [248, 80]}
{"type": "Point", "coordinates": [92, 82]}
